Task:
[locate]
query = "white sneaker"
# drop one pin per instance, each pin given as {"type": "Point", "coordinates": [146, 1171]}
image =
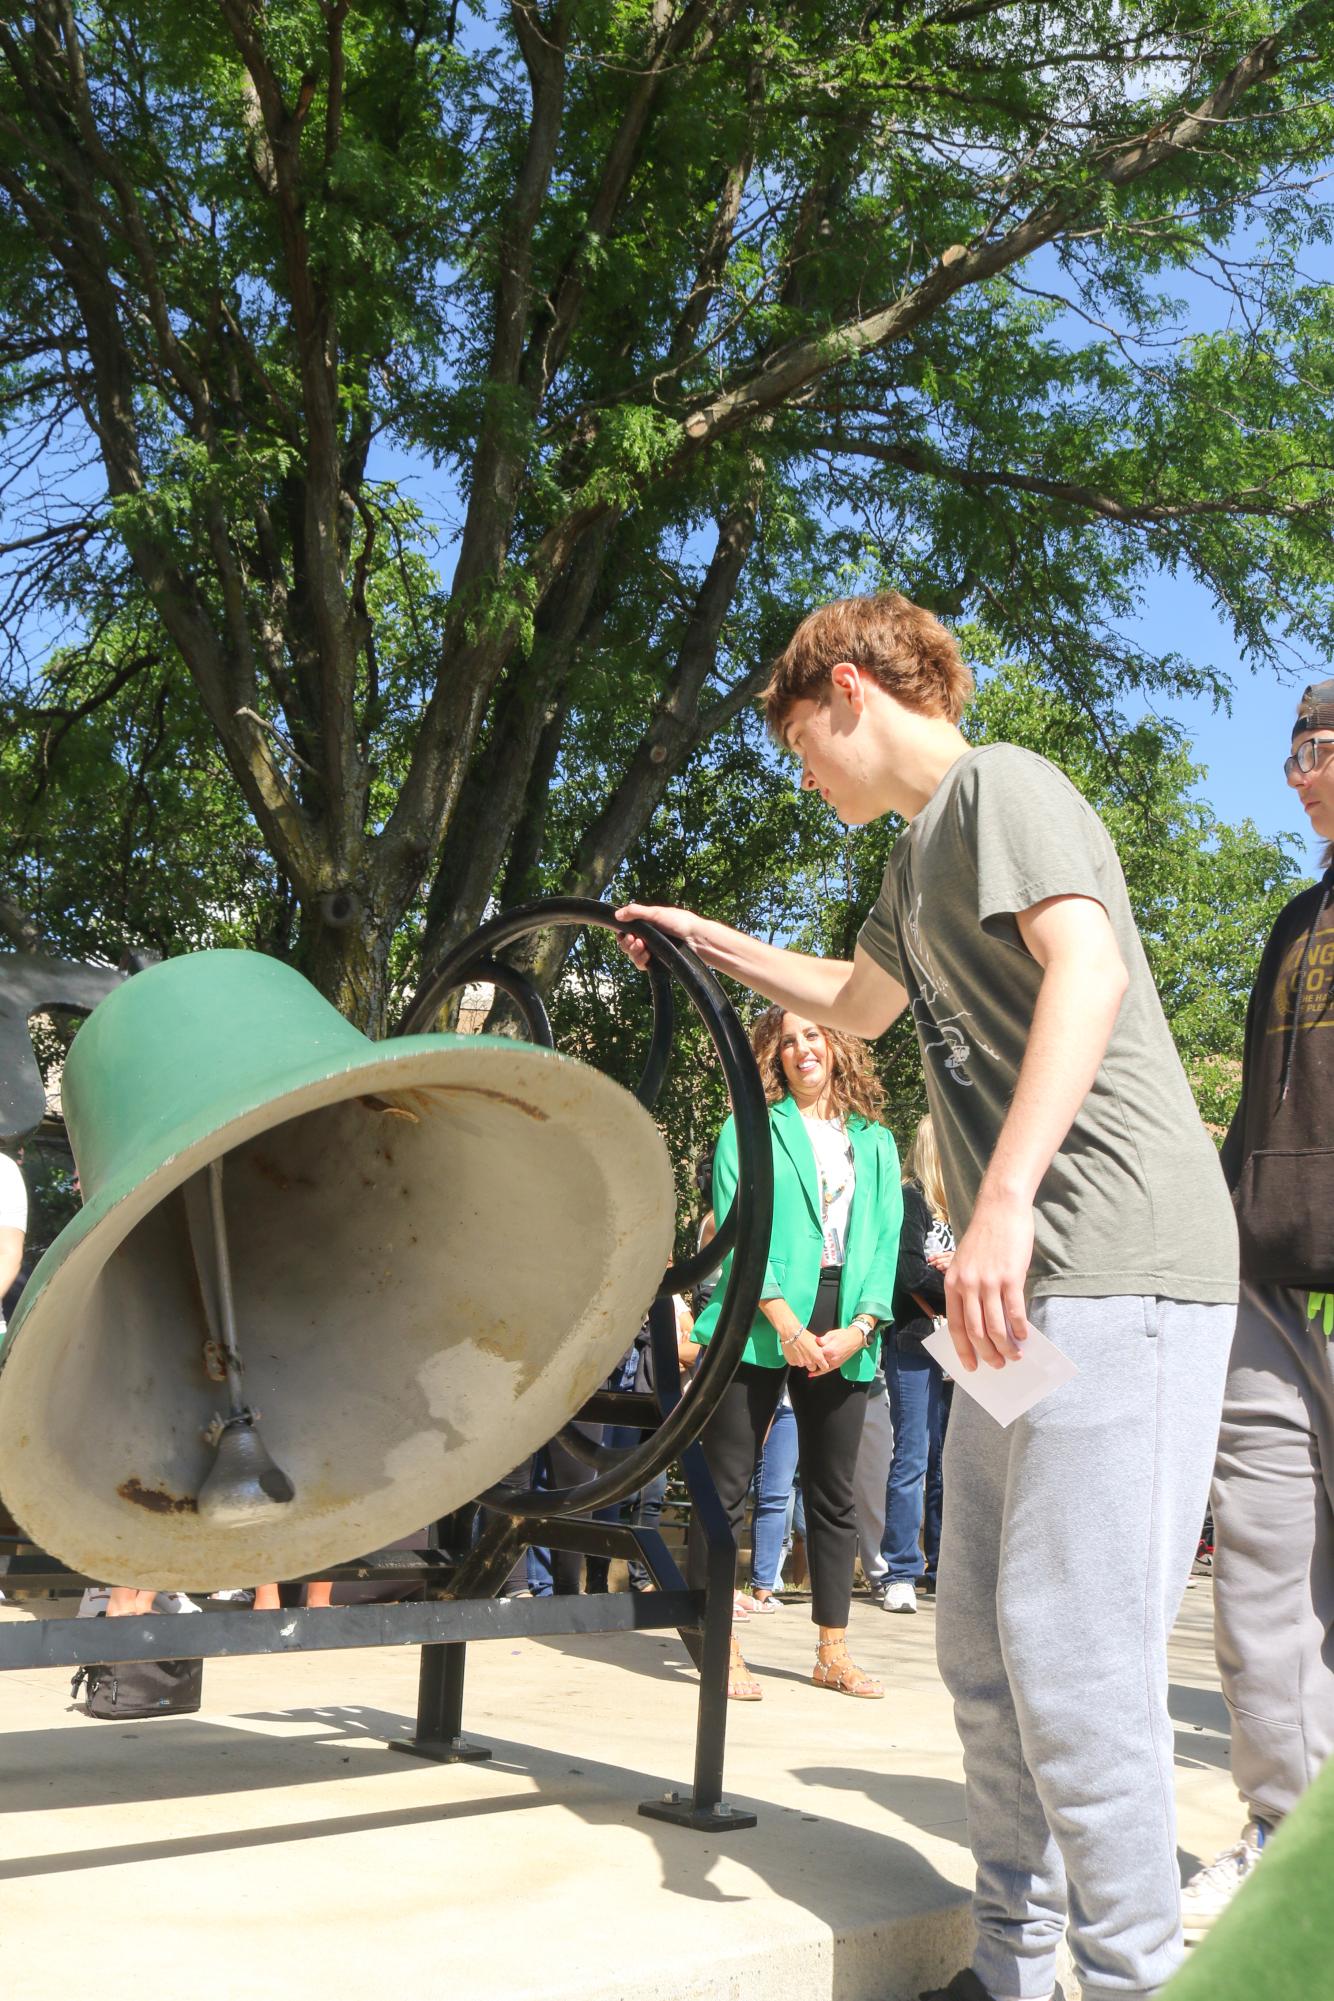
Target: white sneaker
{"type": "Point", "coordinates": [175, 1601]}
{"type": "Point", "coordinates": [1211, 1889]}
{"type": "Point", "coordinates": [900, 1595]}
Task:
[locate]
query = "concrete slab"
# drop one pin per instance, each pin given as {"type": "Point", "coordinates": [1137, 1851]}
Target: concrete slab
{"type": "Point", "coordinates": [272, 1846]}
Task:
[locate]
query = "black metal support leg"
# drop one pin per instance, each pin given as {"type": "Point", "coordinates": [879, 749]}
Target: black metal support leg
{"type": "Point", "coordinates": [484, 1570]}
{"type": "Point", "coordinates": [440, 1710]}
{"type": "Point", "coordinates": [440, 1685]}
{"type": "Point", "coordinates": [704, 1808]}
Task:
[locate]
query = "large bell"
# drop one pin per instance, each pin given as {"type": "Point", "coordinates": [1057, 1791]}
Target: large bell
{"type": "Point", "coordinates": [322, 1290]}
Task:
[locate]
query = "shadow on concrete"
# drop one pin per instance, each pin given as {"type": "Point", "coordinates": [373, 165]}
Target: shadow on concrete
{"type": "Point", "coordinates": [255, 1837]}
{"type": "Point", "coordinates": [1202, 1740]}
{"type": "Point", "coordinates": [934, 1805]}
{"type": "Point", "coordinates": [660, 1656]}
{"type": "Point", "coordinates": [1204, 1706]}
{"type": "Point", "coordinates": [812, 1860]}
{"type": "Point", "coordinates": [193, 1757]}
{"type": "Point", "coordinates": [1195, 1751]}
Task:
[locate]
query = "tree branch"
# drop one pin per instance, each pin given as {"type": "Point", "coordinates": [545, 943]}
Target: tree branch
{"type": "Point", "coordinates": [314, 324]}
{"type": "Point", "coordinates": [500, 455]}
{"type": "Point", "coordinates": [1248, 501]}
{"type": "Point", "coordinates": [674, 730]}
{"type": "Point", "coordinates": [23, 932]}
{"type": "Point", "coordinates": [479, 830]}
{"type": "Point", "coordinates": [551, 337]}
{"type": "Point", "coordinates": [789, 370]}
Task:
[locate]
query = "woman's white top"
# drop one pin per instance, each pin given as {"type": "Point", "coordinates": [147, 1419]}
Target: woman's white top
{"type": "Point", "coordinates": [13, 1204]}
{"type": "Point", "coordinates": [13, 1195]}
{"type": "Point", "coordinates": [838, 1179]}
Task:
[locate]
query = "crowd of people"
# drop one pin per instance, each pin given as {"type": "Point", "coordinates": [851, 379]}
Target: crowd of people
{"type": "Point", "coordinates": [1089, 1207]}
{"type": "Point", "coordinates": [1062, 1186]}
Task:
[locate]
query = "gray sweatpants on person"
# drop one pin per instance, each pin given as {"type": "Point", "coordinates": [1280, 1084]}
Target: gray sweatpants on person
{"type": "Point", "coordinates": [871, 1484]}
{"type": "Point", "coordinates": [1274, 1549]}
{"type": "Point", "coordinates": [1068, 1540]}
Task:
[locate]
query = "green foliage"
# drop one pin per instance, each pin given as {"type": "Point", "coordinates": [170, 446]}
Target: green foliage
{"type": "Point", "coordinates": [1205, 895]}
{"type": "Point", "coordinates": [395, 375]}
{"type": "Point", "coordinates": [124, 825]}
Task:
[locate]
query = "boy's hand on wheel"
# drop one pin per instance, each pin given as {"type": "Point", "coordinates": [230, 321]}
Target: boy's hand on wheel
{"type": "Point", "coordinates": [683, 924]}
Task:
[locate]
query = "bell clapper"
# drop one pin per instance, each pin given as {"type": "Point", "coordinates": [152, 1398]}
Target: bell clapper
{"type": "Point", "coordinates": [244, 1482]}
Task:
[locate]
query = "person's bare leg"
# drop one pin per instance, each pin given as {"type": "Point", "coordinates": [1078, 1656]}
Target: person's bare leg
{"type": "Point", "coordinates": [124, 1602]}
{"type": "Point", "coordinates": [318, 1594]}
{"type": "Point", "coordinates": [266, 1598]}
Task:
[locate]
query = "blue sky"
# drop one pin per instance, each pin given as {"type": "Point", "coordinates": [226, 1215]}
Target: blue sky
{"type": "Point", "coordinates": [1243, 753]}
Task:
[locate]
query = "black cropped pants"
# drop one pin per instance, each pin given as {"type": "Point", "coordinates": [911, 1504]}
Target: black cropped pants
{"type": "Point", "coordinates": [830, 1412]}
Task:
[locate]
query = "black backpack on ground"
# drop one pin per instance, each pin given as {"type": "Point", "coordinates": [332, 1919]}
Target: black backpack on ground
{"type": "Point", "coordinates": [141, 1688]}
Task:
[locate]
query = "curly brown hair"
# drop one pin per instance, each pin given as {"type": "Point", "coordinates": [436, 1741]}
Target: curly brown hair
{"type": "Point", "coordinates": [899, 644]}
{"type": "Point", "coordinates": [855, 1090]}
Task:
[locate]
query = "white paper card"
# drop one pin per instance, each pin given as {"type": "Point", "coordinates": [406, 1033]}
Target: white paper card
{"type": "Point", "coordinates": [1007, 1393]}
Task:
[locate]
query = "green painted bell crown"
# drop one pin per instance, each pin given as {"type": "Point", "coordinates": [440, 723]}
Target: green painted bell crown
{"type": "Point", "coordinates": [437, 1247]}
{"type": "Point", "coordinates": [189, 1045]}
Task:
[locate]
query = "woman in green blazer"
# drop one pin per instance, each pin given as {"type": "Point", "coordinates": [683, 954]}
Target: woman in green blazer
{"type": "Point", "coordinates": [828, 1284]}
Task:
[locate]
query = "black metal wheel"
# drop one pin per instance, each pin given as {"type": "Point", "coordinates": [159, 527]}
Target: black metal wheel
{"type": "Point", "coordinates": [744, 1231]}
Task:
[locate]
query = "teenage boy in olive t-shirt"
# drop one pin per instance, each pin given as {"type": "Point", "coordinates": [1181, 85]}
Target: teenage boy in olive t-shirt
{"type": "Point", "coordinates": [1087, 1200]}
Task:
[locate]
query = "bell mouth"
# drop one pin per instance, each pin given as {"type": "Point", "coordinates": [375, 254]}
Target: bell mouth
{"type": "Point", "coordinates": [436, 1258]}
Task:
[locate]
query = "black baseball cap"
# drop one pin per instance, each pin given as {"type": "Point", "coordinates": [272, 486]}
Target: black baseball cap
{"type": "Point", "coordinates": [1316, 709]}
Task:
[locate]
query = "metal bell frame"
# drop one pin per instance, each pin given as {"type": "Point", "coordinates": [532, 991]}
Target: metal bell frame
{"type": "Point", "coordinates": [561, 1517]}
{"type": "Point", "coordinates": [746, 1228]}
{"type": "Point", "coordinates": [461, 1604]}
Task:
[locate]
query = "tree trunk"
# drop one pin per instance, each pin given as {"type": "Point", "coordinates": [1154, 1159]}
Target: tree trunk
{"type": "Point", "coordinates": [343, 949]}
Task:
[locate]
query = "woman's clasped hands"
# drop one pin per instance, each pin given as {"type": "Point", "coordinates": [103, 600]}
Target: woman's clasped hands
{"type": "Point", "coordinates": [821, 1354]}
{"type": "Point", "coordinates": [801, 1350]}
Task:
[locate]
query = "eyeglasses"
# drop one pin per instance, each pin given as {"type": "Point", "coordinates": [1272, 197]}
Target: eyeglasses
{"type": "Point", "coordinates": [1307, 755]}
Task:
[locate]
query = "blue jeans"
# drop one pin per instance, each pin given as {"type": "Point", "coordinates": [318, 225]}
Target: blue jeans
{"type": "Point", "coordinates": [644, 1509]}
{"type": "Point", "coordinates": [550, 1574]}
{"type": "Point", "coordinates": [773, 1498]}
{"type": "Point", "coordinates": [919, 1405]}
{"type": "Point", "coordinates": [558, 1573]}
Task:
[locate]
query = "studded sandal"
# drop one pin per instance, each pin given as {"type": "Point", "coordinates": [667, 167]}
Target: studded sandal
{"type": "Point", "coordinates": [836, 1669]}
{"type": "Point", "coordinates": [741, 1683]}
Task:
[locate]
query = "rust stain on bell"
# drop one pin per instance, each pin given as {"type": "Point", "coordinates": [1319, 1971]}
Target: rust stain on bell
{"type": "Point", "coordinates": [515, 1350]}
{"type": "Point", "coordinates": [497, 1097]}
{"type": "Point", "coordinates": [156, 1499]}
{"type": "Point", "coordinates": [271, 1171]}
{"type": "Point", "coordinates": [488, 1345]}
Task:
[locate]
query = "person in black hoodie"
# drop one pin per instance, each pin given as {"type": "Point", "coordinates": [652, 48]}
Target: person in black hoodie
{"type": "Point", "coordinates": [919, 1390]}
{"type": "Point", "coordinates": [1273, 1500]}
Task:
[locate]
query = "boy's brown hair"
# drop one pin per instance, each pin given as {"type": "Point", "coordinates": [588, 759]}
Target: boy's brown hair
{"type": "Point", "coordinates": [907, 650]}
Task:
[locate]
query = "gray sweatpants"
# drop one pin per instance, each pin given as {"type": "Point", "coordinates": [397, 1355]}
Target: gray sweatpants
{"type": "Point", "coordinates": [1274, 1549]}
{"type": "Point", "coordinates": [1068, 1539]}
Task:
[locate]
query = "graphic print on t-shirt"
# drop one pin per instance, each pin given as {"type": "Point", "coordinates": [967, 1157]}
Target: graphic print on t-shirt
{"type": "Point", "coordinates": [949, 1036]}
{"type": "Point", "coordinates": [939, 1238]}
{"type": "Point", "coordinates": [1315, 1003]}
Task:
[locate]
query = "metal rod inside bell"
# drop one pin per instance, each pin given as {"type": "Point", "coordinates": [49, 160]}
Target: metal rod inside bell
{"type": "Point", "coordinates": [245, 1483]}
